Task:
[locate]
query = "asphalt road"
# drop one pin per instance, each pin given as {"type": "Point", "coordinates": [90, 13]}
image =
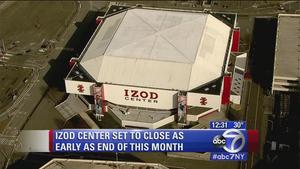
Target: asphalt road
{"type": "Point", "coordinates": [254, 115]}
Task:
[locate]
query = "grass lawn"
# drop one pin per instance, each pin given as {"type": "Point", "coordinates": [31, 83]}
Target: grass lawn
{"type": "Point", "coordinates": [32, 21]}
{"type": "Point", "coordinates": [12, 81]}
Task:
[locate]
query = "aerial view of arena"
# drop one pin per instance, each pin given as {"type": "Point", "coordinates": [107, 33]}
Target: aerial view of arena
{"type": "Point", "coordinates": [150, 84]}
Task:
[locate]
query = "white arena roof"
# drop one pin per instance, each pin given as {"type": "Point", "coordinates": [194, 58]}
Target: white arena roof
{"type": "Point", "coordinates": [158, 49]}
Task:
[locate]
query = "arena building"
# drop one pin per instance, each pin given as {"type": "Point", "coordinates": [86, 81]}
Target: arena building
{"type": "Point", "coordinates": [151, 66]}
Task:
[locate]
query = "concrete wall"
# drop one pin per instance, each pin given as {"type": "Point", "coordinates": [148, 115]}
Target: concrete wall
{"type": "Point", "coordinates": [149, 125]}
{"type": "Point", "coordinates": [235, 99]}
{"type": "Point", "coordinates": [74, 87]}
{"type": "Point", "coordinates": [196, 117]}
{"type": "Point", "coordinates": [212, 101]}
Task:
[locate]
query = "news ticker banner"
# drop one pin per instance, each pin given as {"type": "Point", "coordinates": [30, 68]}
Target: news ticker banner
{"type": "Point", "coordinates": [224, 144]}
{"type": "Point", "coordinates": [118, 140]}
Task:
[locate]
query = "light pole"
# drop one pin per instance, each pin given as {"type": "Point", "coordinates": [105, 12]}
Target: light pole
{"type": "Point", "coordinates": [117, 159]}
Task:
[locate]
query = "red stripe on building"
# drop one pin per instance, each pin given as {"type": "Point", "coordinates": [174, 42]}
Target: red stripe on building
{"type": "Point", "coordinates": [226, 90]}
{"type": "Point", "coordinates": [50, 140]}
{"type": "Point", "coordinates": [253, 145]}
{"type": "Point", "coordinates": [235, 40]}
{"type": "Point", "coordinates": [247, 75]}
{"type": "Point", "coordinates": [72, 63]}
{"type": "Point", "coordinates": [98, 20]}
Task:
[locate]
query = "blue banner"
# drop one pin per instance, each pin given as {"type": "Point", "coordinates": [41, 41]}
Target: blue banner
{"type": "Point", "coordinates": [167, 140]}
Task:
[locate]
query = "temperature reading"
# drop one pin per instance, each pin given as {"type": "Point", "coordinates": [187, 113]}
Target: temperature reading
{"type": "Point", "coordinates": [227, 125]}
{"type": "Point", "coordinates": [238, 124]}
